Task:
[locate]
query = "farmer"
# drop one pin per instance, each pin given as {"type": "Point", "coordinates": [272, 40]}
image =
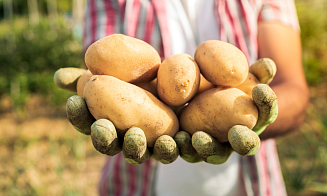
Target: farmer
{"type": "Point", "coordinates": [262, 28]}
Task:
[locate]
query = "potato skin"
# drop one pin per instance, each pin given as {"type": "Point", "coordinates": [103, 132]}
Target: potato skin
{"type": "Point", "coordinates": [149, 86]}
{"type": "Point", "coordinates": [127, 105]}
{"type": "Point", "coordinates": [204, 85]}
{"type": "Point", "coordinates": [221, 63]}
{"type": "Point", "coordinates": [82, 81]}
{"type": "Point", "coordinates": [126, 58]}
{"type": "Point", "coordinates": [217, 110]}
{"type": "Point", "coordinates": [178, 79]}
{"type": "Point", "coordinates": [248, 84]}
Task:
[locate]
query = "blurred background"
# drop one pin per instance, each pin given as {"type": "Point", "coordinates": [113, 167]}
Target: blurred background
{"type": "Point", "coordinates": [42, 154]}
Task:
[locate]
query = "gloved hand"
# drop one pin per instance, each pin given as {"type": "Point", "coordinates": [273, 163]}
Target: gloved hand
{"type": "Point", "coordinates": [246, 142]}
{"type": "Point", "coordinates": [103, 132]}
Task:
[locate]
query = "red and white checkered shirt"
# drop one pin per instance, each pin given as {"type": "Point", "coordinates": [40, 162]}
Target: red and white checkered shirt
{"type": "Point", "coordinates": [237, 22]}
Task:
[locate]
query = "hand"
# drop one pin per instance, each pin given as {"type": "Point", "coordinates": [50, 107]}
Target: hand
{"type": "Point", "coordinates": [103, 132]}
{"type": "Point", "coordinates": [246, 142]}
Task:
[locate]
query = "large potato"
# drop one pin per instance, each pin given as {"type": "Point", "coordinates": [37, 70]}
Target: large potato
{"type": "Point", "coordinates": [127, 105]}
{"type": "Point", "coordinates": [221, 63]}
{"type": "Point", "coordinates": [217, 110]}
{"type": "Point", "coordinates": [82, 81]}
{"type": "Point", "coordinates": [149, 86]}
{"type": "Point", "coordinates": [178, 79]}
{"type": "Point", "coordinates": [126, 58]}
{"type": "Point", "coordinates": [204, 85]}
{"type": "Point", "coordinates": [248, 84]}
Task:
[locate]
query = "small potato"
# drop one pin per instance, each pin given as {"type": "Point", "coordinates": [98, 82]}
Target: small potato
{"type": "Point", "coordinates": [217, 110]}
{"type": "Point", "coordinates": [204, 85]}
{"type": "Point", "coordinates": [221, 63]}
{"type": "Point", "coordinates": [149, 86]}
{"type": "Point", "coordinates": [178, 79]}
{"type": "Point", "coordinates": [127, 106]}
{"type": "Point", "coordinates": [248, 84]}
{"type": "Point", "coordinates": [82, 81]}
{"type": "Point", "coordinates": [126, 58]}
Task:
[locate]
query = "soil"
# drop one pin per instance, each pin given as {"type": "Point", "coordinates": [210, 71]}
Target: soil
{"type": "Point", "coordinates": [42, 154]}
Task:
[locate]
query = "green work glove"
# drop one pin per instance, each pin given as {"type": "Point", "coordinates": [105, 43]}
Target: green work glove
{"type": "Point", "coordinates": [103, 132]}
{"type": "Point", "coordinates": [246, 142]}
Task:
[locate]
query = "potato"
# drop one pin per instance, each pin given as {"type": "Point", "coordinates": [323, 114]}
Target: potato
{"type": "Point", "coordinates": [221, 63]}
{"type": "Point", "coordinates": [127, 106]}
{"type": "Point", "coordinates": [248, 84]}
{"type": "Point", "coordinates": [217, 110]}
{"type": "Point", "coordinates": [126, 58]}
{"type": "Point", "coordinates": [82, 81]}
{"type": "Point", "coordinates": [149, 86]}
{"type": "Point", "coordinates": [178, 79]}
{"type": "Point", "coordinates": [204, 85]}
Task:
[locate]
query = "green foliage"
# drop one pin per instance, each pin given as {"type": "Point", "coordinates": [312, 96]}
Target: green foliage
{"type": "Point", "coordinates": [20, 7]}
{"type": "Point", "coordinates": [312, 17]}
{"type": "Point", "coordinates": [31, 54]}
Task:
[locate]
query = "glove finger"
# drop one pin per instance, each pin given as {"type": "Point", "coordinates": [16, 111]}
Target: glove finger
{"type": "Point", "coordinates": [209, 149]}
{"type": "Point", "coordinates": [264, 69]}
{"type": "Point", "coordinates": [165, 149]}
{"type": "Point", "coordinates": [135, 146]}
{"type": "Point", "coordinates": [186, 150]}
{"type": "Point", "coordinates": [266, 101]}
{"type": "Point", "coordinates": [78, 114]}
{"type": "Point", "coordinates": [104, 137]}
{"type": "Point", "coordinates": [243, 140]}
{"type": "Point", "coordinates": [66, 78]}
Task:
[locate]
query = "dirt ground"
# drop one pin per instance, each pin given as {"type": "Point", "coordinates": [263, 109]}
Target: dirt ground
{"type": "Point", "coordinates": [42, 154]}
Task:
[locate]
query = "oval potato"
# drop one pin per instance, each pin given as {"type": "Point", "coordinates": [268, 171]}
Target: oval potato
{"type": "Point", "coordinates": [248, 84]}
{"type": "Point", "coordinates": [217, 110]}
{"type": "Point", "coordinates": [178, 79]}
{"type": "Point", "coordinates": [82, 81]}
{"type": "Point", "coordinates": [149, 86]}
{"type": "Point", "coordinates": [221, 63]}
{"type": "Point", "coordinates": [204, 85]}
{"type": "Point", "coordinates": [126, 58]}
{"type": "Point", "coordinates": [127, 106]}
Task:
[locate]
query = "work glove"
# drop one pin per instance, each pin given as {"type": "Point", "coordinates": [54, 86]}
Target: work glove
{"type": "Point", "coordinates": [103, 132]}
{"type": "Point", "coordinates": [246, 142]}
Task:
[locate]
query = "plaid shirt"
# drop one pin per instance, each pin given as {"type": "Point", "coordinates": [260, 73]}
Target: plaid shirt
{"type": "Point", "coordinates": [237, 22]}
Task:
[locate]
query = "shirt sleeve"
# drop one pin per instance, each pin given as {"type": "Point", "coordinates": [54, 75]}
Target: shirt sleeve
{"type": "Point", "coordinates": [283, 11]}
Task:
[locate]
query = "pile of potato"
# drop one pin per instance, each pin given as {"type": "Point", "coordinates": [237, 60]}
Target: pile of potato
{"type": "Point", "coordinates": [127, 83]}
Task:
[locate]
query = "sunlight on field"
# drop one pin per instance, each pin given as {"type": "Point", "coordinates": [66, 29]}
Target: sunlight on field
{"type": "Point", "coordinates": [45, 155]}
{"type": "Point", "coordinates": [42, 154]}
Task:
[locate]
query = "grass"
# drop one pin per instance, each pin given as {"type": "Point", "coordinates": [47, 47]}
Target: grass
{"type": "Point", "coordinates": [303, 154]}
